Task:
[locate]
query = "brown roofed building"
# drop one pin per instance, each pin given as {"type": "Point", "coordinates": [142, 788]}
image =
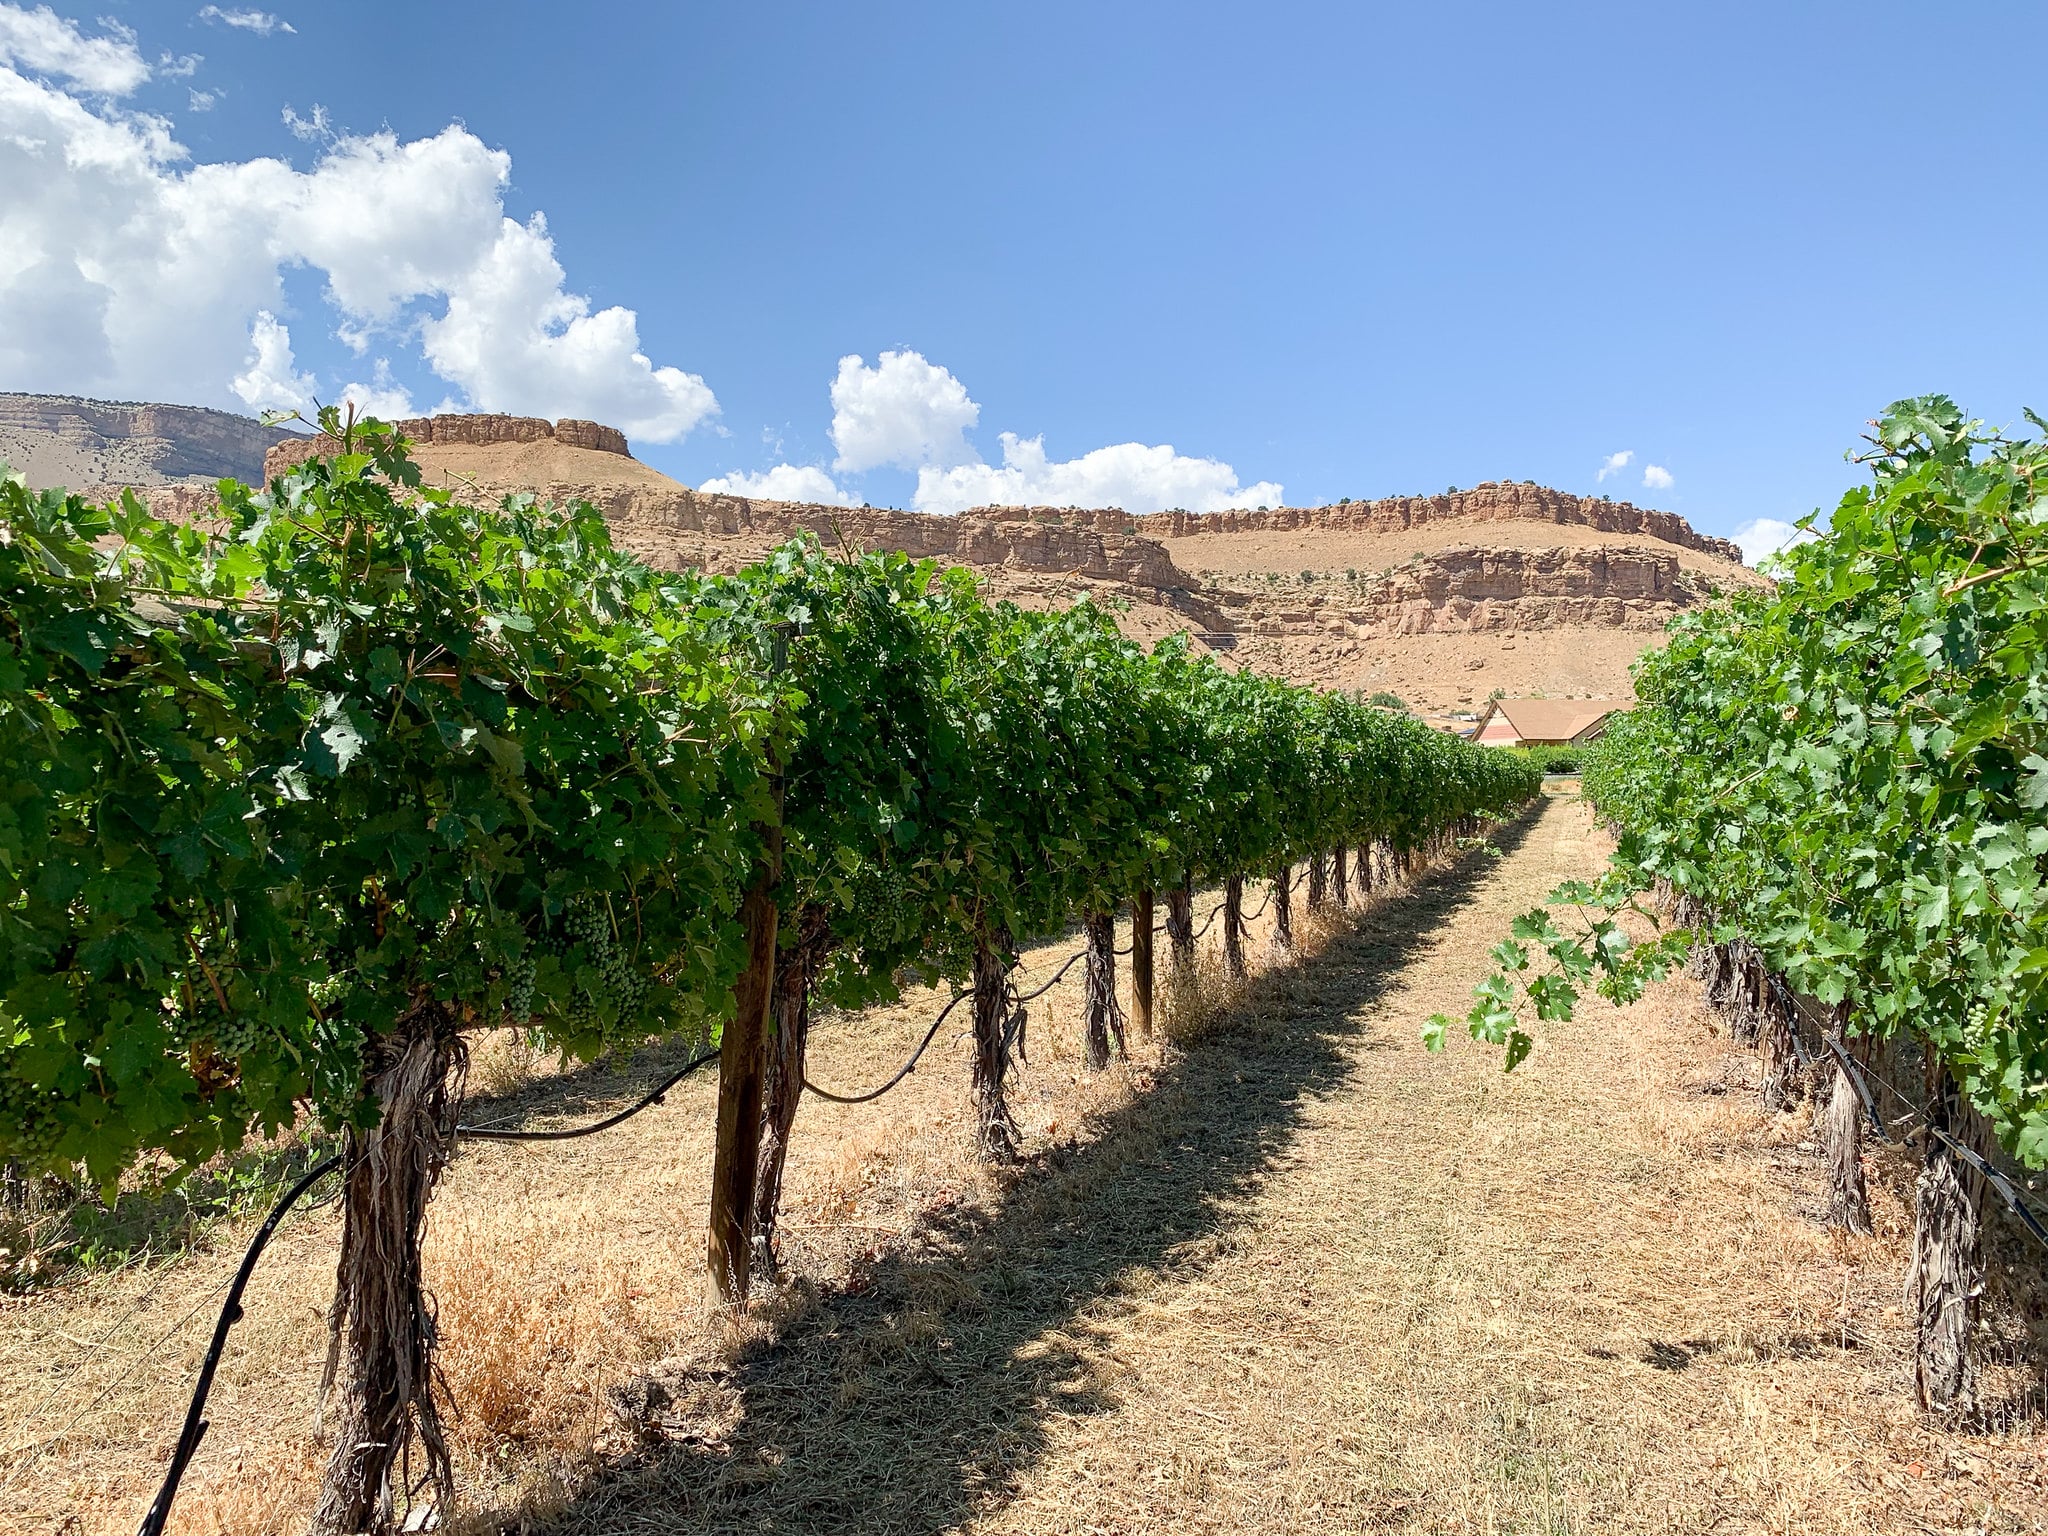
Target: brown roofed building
{"type": "Point", "coordinates": [1542, 722]}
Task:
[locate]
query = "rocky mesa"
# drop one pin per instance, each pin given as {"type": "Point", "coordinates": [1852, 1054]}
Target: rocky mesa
{"type": "Point", "coordinates": [1440, 600]}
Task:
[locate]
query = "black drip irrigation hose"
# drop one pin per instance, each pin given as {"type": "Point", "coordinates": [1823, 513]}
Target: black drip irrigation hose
{"type": "Point", "coordinates": [1056, 978]}
{"type": "Point", "coordinates": [489, 1133]}
{"type": "Point", "coordinates": [904, 1071]}
{"type": "Point", "coordinates": [2023, 1211]}
{"type": "Point", "coordinates": [159, 1512]}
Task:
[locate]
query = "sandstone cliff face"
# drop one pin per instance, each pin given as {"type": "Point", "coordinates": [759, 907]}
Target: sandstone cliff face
{"type": "Point", "coordinates": [59, 440]}
{"type": "Point", "coordinates": [1469, 591]}
{"type": "Point", "coordinates": [1501, 501]}
{"type": "Point", "coordinates": [477, 431]}
{"type": "Point", "coordinates": [989, 540]}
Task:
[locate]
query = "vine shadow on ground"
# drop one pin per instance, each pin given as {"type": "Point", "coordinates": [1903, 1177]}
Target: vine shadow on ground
{"type": "Point", "coordinates": [914, 1399]}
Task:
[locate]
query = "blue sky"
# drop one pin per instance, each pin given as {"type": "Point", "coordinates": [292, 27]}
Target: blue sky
{"type": "Point", "coordinates": [1341, 250]}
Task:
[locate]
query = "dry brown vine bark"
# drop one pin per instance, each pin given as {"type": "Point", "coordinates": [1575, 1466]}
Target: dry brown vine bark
{"type": "Point", "coordinates": [1946, 1281]}
{"type": "Point", "coordinates": [789, 1028]}
{"type": "Point", "coordinates": [736, 1154]}
{"type": "Point", "coordinates": [1180, 922]}
{"type": "Point", "coordinates": [1105, 1019]}
{"type": "Point", "coordinates": [1283, 907]}
{"type": "Point", "coordinates": [1233, 928]}
{"type": "Point", "coordinates": [381, 1323]}
{"type": "Point", "coordinates": [998, 1023]}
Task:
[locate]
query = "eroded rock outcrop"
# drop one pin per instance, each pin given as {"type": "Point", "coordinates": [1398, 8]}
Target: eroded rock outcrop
{"type": "Point", "coordinates": [1477, 590]}
{"type": "Point", "coordinates": [1493, 502]}
{"type": "Point", "coordinates": [480, 430]}
{"type": "Point", "coordinates": [63, 440]}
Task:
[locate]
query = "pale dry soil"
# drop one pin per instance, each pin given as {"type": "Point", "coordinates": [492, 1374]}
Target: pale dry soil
{"type": "Point", "coordinates": [1287, 1273]}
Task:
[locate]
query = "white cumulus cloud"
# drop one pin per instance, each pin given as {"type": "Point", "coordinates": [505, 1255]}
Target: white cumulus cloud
{"type": "Point", "coordinates": [271, 380]}
{"type": "Point", "coordinates": [1132, 476]}
{"type": "Point", "coordinates": [262, 23]}
{"type": "Point", "coordinates": [1614, 464]}
{"type": "Point", "coordinates": [910, 413]}
{"type": "Point", "coordinates": [44, 43]}
{"type": "Point", "coordinates": [903, 411]}
{"type": "Point", "coordinates": [1762, 537]}
{"type": "Point", "coordinates": [125, 269]}
{"type": "Point", "coordinates": [383, 397]}
{"type": "Point", "coordinates": [1656, 477]}
{"type": "Point", "coordinates": [785, 482]}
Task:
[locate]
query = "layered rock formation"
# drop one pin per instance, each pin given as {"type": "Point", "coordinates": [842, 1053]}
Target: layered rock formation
{"type": "Point", "coordinates": [1477, 591]}
{"type": "Point", "coordinates": [1434, 597]}
{"type": "Point", "coordinates": [61, 440]}
{"type": "Point", "coordinates": [1496, 501]}
{"type": "Point", "coordinates": [481, 430]}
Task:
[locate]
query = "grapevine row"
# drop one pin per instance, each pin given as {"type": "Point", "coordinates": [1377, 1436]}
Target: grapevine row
{"type": "Point", "coordinates": [1837, 786]}
{"type": "Point", "coordinates": [297, 800]}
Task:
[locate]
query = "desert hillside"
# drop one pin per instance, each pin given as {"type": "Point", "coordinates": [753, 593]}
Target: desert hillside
{"type": "Point", "coordinates": [1441, 600]}
{"type": "Point", "coordinates": [82, 444]}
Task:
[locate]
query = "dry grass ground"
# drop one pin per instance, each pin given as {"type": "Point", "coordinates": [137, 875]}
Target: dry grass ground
{"type": "Point", "coordinates": [1288, 1273]}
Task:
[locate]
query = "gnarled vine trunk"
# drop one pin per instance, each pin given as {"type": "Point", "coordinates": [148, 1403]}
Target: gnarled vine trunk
{"type": "Point", "coordinates": [782, 1085]}
{"type": "Point", "coordinates": [381, 1324]}
{"type": "Point", "coordinates": [1947, 1277]}
{"type": "Point", "coordinates": [1233, 928]}
{"type": "Point", "coordinates": [1318, 883]}
{"type": "Point", "coordinates": [1283, 907]}
{"type": "Point", "coordinates": [1141, 961]}
{"type": "Point", "coordinates": [998, 1025]}
{"type": "Point", "coordinates": [1365, 869]}
{"type": "Point", "coordinates": [1105, 1019]}
{"type": "Point", "coordinates": [1340, 879]}
{"type": "Point", "coordinates": [1776, 1044]}
{"type": "Point", "coordinates": [1848, 1199]}
{"type": "Point", "coordinates": [1180, 922]}
{"type": "Point", "coordinates": [736, 1145]}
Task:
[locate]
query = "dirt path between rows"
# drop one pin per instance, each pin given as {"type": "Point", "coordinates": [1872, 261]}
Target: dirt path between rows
{"type": "Point", "coordinates": [1318, 1280]}
{"type": "Point", "coordinates": [1293, 1275]}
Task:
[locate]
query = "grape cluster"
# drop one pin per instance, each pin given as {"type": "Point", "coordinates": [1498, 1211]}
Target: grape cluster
{"type": "Point", "coordinates": [519, 978]}
{"type": "Point", "coordinates": [29, 1129]}
{"type": "Point", "coordinates": [586, 924]}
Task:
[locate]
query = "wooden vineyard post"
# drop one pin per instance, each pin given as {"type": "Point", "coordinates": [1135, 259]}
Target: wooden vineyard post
{"type": "Point", "coordinates": [1141, 961]}
{"type": "Point", "coordinates": [735, 1163]}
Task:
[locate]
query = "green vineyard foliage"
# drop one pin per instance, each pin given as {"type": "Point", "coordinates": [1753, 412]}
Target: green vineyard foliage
{"type": "Point", "coordinates": [352, 759]}
{"type": "Point", "coordinates": [1851, 771]}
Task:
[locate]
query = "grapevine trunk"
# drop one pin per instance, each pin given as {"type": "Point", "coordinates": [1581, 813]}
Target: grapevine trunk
{"type": "Point", "coordinates": [1233, 928]}
{"type": "Point", "coordinates": [1340, 878]}
{"type": "Point", "coordinates": [1947, 1276]}
{"type": "Point", "coordinates": [1105, 1019]}
{"type": "Point", "coordinates": [1180, 922]}
{"type": "Point", "coordinates": [998, 1024]}
{"type": "Point", "coordinates": [1318, 883]}
{"type": "Point", "coordinates": [735, 1159]}
{"type": "Point", "coordinates": [1283, 907]}
{"type": "Point", "coordinates": [789, 1027]}
{"type": "Point", "coordinates": [1848, 1200]}
{"type": "Point", "coordinates": [381, 1324]}
{"type": "Point", "coordinates": [1141, 961]}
